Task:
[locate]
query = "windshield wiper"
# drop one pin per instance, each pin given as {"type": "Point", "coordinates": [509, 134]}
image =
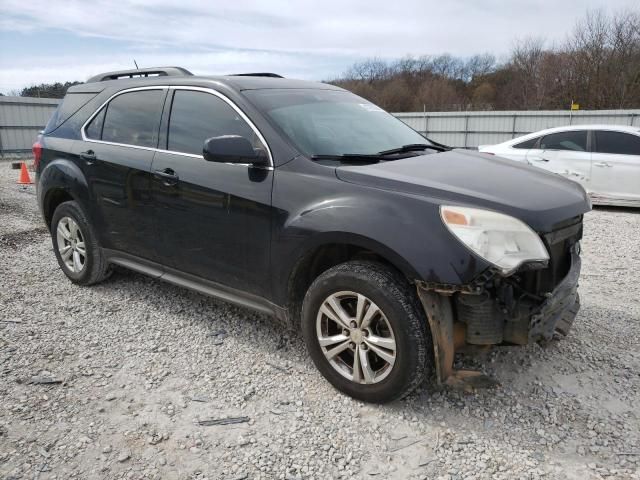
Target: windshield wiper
{"type": "Point", "coordinates": [433, 142]}
{"type": "Point", "coordinates": [414, 147]}
{"type": "Point", "coordinates": [376, 157]}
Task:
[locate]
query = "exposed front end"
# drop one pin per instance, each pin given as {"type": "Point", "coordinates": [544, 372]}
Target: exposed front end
{"type": "Point", "coordinates": [530, 304]}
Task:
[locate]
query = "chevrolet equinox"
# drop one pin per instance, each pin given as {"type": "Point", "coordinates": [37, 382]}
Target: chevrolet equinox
{"type": "Point", "coordinates": [301, 200]}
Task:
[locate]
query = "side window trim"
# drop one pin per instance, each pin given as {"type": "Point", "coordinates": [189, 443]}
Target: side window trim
{"type": "Point", "coordinates": [101, 112]}
{"type": "Point", "coordinates": [163, 134]}
{"type": "Point", "coordinates": [169, 92]}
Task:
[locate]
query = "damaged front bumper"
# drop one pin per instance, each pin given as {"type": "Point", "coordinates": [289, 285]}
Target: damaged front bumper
{"type": "Point", "coordinates": [560, 308]}
{"type": "Point", "coordinates": [496, 313]}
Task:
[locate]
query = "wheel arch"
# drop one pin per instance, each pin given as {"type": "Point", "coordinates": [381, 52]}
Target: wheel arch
{"type": "Point", "coordinates": [60, 181]}
{"type": "Point", "coordinates": [52, 199]}
{"type": "Point", "coordinates": [327, 250]}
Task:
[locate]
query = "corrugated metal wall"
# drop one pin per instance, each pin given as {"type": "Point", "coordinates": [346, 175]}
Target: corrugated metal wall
{"type": "Point", "coordinates": [21, 118]}
{"type": "Point", "coordinates": [470, 129]}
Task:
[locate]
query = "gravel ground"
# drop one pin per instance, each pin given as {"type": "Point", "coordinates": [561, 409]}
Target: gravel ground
{"type": "Point", "coordinates": [141, 366]}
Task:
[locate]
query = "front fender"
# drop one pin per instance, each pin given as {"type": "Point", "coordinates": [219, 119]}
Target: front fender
{"type": "Point", "coordinates": [350, 238]}
{"type": "Point", "coordinates": [405, 229]}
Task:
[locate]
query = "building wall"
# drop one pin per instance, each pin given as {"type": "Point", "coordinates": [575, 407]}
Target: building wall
{"type": "Point", "coordinates": [470, 129]}
{"type": "Point", "coordinates": [21, 118]}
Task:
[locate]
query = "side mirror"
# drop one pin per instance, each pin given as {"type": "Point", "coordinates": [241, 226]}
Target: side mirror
{"type": "Point", "coordinates": [232, 149]}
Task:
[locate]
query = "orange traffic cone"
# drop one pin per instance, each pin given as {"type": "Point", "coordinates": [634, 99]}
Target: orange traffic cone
{"type": "Point", "coordinates": [24, 179]}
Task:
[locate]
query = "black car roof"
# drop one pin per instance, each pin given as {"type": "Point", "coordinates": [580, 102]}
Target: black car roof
{"type": "Point", "coordinates": [235, 82]}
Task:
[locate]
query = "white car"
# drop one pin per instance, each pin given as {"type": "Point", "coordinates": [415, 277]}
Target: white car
{"type": "Point", "coordinates": [604, 159]}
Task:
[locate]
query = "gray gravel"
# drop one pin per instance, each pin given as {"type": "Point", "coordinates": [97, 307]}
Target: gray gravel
{"type": "Point", "coordinates": [138, 379]}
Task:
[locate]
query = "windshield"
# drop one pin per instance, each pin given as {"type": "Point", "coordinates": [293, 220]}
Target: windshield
{"type": "Point", "coordinates": [330, 122]}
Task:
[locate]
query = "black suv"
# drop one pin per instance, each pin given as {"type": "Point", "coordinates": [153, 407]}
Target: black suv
{"type": "Point", "coordinates": [308, 203]}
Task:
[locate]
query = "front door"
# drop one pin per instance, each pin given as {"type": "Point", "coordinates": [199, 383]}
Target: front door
{"type": "Point", "coordinates": [616, 166]}
{"type": "Point", "coordinates": [213, 219]}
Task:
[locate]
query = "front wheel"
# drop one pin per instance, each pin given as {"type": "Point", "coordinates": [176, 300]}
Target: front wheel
{"type": "Point", "coordinates": [366, 332]}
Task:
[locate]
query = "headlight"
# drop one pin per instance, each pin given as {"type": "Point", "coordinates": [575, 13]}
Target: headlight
{"type": "Point", "coordinates": [500, 239]}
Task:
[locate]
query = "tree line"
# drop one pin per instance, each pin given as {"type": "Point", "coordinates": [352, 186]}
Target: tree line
{"type": "Point", "coordinates": [47, 90]}
{"type": "Point", "coordinates": [597, 67]}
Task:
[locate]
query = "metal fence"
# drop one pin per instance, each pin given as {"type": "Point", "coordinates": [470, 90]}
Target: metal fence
{"type": "Point", "coordinates": [470, 129]}
{"type": "Point", "coordinates": [21, 118]}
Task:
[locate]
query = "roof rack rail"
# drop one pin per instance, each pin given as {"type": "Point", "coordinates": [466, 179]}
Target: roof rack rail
{"type": "Point", "coordinates": [141, 73]}
{"type": "Point", "coordinates": [259, 74]}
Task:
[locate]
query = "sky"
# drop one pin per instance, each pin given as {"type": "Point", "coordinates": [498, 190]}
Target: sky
{"type": "Point", "coordinates": [44, 41]}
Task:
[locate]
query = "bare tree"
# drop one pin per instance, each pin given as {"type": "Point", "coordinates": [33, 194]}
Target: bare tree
{"type": "Point", "coordinates": [597, 66]}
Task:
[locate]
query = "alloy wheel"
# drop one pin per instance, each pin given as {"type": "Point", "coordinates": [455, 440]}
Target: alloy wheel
{"type": "Point", "coordinates": [356, 337]}
{"type": "Point", "coordinates": [71, 244]}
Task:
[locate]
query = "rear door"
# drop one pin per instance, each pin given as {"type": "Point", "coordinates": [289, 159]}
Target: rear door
{"type": "Point", "coordinates": [115, 154]}
{"type": "Point", "coordinates": [213, 219]}
{"type": "Point", "coordinates": [616, 166]}
{"type": "Point", "coordinates": [565, 153]}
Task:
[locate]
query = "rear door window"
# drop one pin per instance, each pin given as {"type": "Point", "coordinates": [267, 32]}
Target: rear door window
{"type": "Point", "coordinates": [197, 116]}
{"type": "Point", "coordinates": [575, 140]}
{"type": "Point", "coordinates": [133, 118]}
{"type": "Point", "coordinates": [617, 143]}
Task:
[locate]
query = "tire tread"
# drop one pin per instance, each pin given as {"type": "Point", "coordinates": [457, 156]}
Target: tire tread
{"type": "Point", "coordinates": [396, 286]}
{"type": "Point", "coordinates": [99, 268]}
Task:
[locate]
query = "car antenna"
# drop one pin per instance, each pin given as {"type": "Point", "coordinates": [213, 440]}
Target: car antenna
{"type": "Point", "coordinates": [136, 64]}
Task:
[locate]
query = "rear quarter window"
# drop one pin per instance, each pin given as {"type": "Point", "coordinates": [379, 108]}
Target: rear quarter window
{"type": "Point", "coordinates": [527, 144]}
{"type": "Point", "coordinates": [71, 103]}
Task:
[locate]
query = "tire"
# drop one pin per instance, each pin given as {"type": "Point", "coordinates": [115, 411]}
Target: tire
{"type": "Point", "coordinates": [400, 319]}
{"type": "Point", "coordinates": [94, 266]}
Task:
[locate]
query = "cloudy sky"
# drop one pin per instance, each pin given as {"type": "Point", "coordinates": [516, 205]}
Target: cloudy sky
{"type": "Point", "coordinates": [52, 40]}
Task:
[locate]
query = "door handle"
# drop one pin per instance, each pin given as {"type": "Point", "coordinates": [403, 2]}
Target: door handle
{"type": "Point", "coordinates": [168, 177]}
{"type": "Point", "coordinates": [602, 164]}
{"type": "Point", "coordinates": [89, 157]}
{"type": "Point", "coordinates": [540, 159]}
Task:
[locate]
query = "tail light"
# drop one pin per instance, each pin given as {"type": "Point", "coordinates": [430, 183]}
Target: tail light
{"type": "Point", "coordinates": [37, 154]}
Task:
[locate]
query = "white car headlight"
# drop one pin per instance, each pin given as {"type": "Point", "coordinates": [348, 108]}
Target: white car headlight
{"type": "Point", "coordinates": [500, 239]}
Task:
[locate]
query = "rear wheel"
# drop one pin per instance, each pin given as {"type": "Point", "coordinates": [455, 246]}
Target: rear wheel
{"type": "Point", "coordinates": [365, 331]}
{"type": "Point", "coordinates": [76, 247]}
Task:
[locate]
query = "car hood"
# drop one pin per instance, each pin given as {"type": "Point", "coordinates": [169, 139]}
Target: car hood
{"type": "Point", "coordinates": [541, 199]}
